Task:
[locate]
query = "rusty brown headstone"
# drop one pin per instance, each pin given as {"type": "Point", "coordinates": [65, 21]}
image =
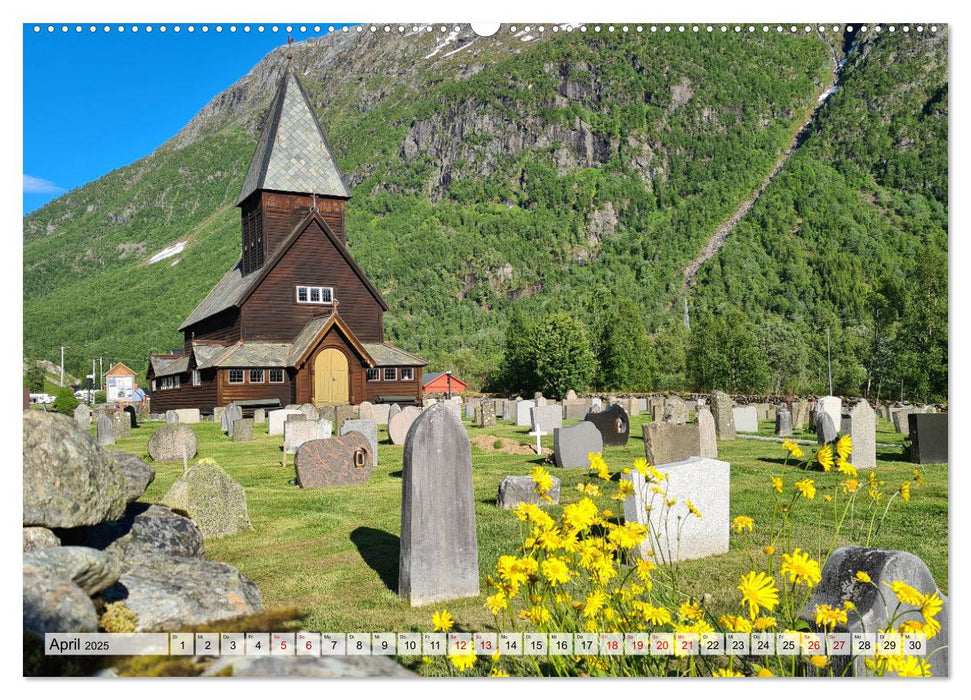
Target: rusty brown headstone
{"type": "Point", "coordinates": [341, 461]}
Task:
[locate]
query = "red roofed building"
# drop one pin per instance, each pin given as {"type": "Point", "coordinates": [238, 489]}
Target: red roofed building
{"type": "Point", "coordinates": [442, 383]}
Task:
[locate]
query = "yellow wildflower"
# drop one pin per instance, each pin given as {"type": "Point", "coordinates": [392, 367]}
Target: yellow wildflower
{"type": "Point", "coordinates": [777, 483]}
{"type": "Point", "coordinates": [765, 673]}
{"type": "Point", "coordinates": [851, 486]}
{"type": "Point", "coordinates": [761, 624]}
{"type": "Point", "coordinates": [628, 536]}
{"type": "Point", "coordinates": [914, 667]}
{"type": "Point", "coordinates": [793, 448]}
{"type": "Point", "coordinates": [670, 502]}
{"type": "Point", "coordinates": [641, 466]}
{"type": "Point", "coordinates": [848, 606]}
{"type": "Point", "coordinates": [917, 477]}
{"type": "Point", "coordinates": [911, 626]}
{"type": "Point", "coordinates": [549, 539]}
{"type": "Point", "coordinates": [581, 515]}
{"type": "Point", "coordinates": [462, 662]}
{"type": "Point", "coordinates": [443, 621]}
{"type": "Point", "coordinates": [742, 522]}
{"type": "Point", "coordinates": [653, 615]}
{"type": "Point", "coordinates": [844, 467]}
{"type": "Point", "coordinates": [735, 623]}
{"type": "Point", "coordinates": [594, 604]}
{"type": "Point", "coordinates": [905, 491]}
{"type": "Point", "coordinates": [819, 661]}
{"type": "Point", "coordinates": [591, 490]}
{"type": "Point", "coordinates": [690, 610]}
{"type": "Point", "coordinates": [931, 605]}
{"type": "Point", "coordinates": [496, 602]}
{"type": "Point", "coordinates": [691, 508]}
{"type": "Point", "coordinates": [844, 446]}
{"type": "Point", "coordinates": [906, 594]}
{"type": "Point", "coordinates": [625, 488]}
{"type": "Point", "coordinates": [863, 577]}
{"type": "Point", "coordinates": [727, 673]}
{"type": "Point", "coordinates": [769, 549]}
{"type": "Point", "coordinates": [827, 616]}
{"type": "Point", "coordinates": [697, 626]}
{"type": "Point", "coordinates": [824, 457]}
{"type": "Point", "coordinates": [538, 615]}
{"type": "Point", "coordinates": [807, 488]}
{"type": "Point", "coordinates": [644, 569]}
{"type": "Point", "coordinates": [607, 513]}
{"type": "Point", "coordinates": [543, 480]}
{"type": "Point", "coordinates": [800, 568]}
{"type": "Point", "coordinates": [759, 591]}
{"type": "Point", "coordinates": [555, 571]}
{"type": "Point", "coordinates": [498, 673]}
{"type": "Point", "coordinates": [598, 465]}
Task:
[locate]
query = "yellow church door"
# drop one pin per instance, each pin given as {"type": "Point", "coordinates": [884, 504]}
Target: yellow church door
{"type": "Point", "coordinates": [330, 377]}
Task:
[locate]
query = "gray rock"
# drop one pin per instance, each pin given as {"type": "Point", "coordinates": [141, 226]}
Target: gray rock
{"type": "Point", "coordinates": [278, 418]}
{"type": "Point", "coordinates": [746, 419]}
{"type": "Point", "coordinates": [666, 443]}
{"type": "Point", "coordinates": [144, 531]}
{"type": "Point", "coordinates": [572, 445]}
{"type": "Point", "coordinates": [613, 424]}
{"type": "Point", "coordinates": [514, 490]}
{"type": "Point", "coordinates": [783, 423]}
{"type": "Point", "coordinates": [706, 432]}
{"type": "Point", "coordinates": [861, 425]}
{"type": "Point", "coordinates": [173, 442]}
{"type": "Point", "coordinates": [721, 411]}
{"type": "Point", "coordinates": [547, 418]}
{"type": "Point", "coordinates": [68, 479]}
{"type": "Point", "coordinates": [210, 496]}
{"type": "Point", "coordinates": [674, 534]}
{"type": "Point", "coordinates": [675, 410]}
{"type": "Point", "coordinates": [367, 428]}
{"type": "Point", "coordinates": [308, 667]}
{"type": "Point", "coordinates": [400, 424]}
{"type": "Point", "coordinates": [298, 430]}
{"type": "Point", "coordinates": [176, 593]}
{"type": "Point", "coordinates": [39, 537]}
{"type": "Point", "coordinates": [439, 551]}
{"type": "Point", "coordinates": [106, 430]}
{"type": "Point", "coordinates": [138, 474]}
{"type": "Point", "coordinates": [243, 430]}
{"type": "Point", "coordinates": [875, 603]}
{"type": "Point", "coordinates": [55, 605]}
{"type": "Point", "coordinates": [90, 569]}
{"type": "Point", "coordinates": [82, 415]}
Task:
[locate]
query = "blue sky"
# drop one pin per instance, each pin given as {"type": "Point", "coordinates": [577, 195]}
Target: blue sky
{"type": "Point", "coordinates": [95, 101]}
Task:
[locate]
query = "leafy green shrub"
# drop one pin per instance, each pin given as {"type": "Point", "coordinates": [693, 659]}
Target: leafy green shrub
{"type": "Point", "coordinates": [65, 402]}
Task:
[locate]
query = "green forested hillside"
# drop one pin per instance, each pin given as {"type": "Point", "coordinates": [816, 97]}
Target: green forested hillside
{"type": "Point", "coordinates": [571, 173]}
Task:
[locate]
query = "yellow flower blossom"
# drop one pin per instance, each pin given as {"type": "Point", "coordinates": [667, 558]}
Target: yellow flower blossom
{"type": "Point", "coordinates": [777, 483]}
{"type": "Point", "coordinates": [905, 491]}
{"type": "Point", "coordinates": [653, 615]}
{"type": "Point", "coordinates": [765, 673]}
{"type": "Point", "coordinates": [850, 486]}
{"type": "Point", "coordinates": [690, 610]}
{"type": "Point", "coordinates": [691, 508]}
{"type": "Point", "coordinates": [911, 626]}
{"type": "Point", "coordinates": [793, 448]}
{"type": "Point", "coordinates": [827, 616]}
{"type": "Point", "coordinates": [591, 490]}
{"type": "Point", "coordinates": [844, 467]}
{"type": "Point", "coordinates": [641, 466]}
{"type": "Point", "coordinates": [581, 515]}
{"type": "Point", "coordinates": [443, 621]}
{"type": "Point", "coordinates": [727, 673]}
{"type": "Point", "coordinates": [594, 604]}
{"type": "Point", "coordinates": [760, 624]}
{"type": "Point", "coordinates": [543, 480]}
{"type": "Point", "coordinates": [742, 522]}
{"type": "Point", "coordinates": [462, 662]}
{"type": "Point", "coordinates": [735, 623]}
{"type": "Point", "coordinates": [914, 667]}
{"type": "Point", "coordinates": [697, 626]}
{"type": "Point", "coordinates": [628, 536]}
{"type": "Point", "coordinates": [931, 605]}
{"type": "Point", "coordinates": [497, 602]}
{"type": "Point", "coordinates": [844, 446]}
{"type": "Point", "coordinates": [598, 465]}
{"type": "Point", "coordinates": [824, 457]}
{"type": "Point", "coordinates": [498, 673]}
{"type": "Point", "coordinates": [625, 489]}
{"type": "Point", "coordinates": [644, 569]}
{"type": "Point", "coordinates": [769, 549]}
{"type": "Point", "coordinates": [800, 568]}
{"type": "Point", "coordinates": [917, 477]}
{"type": "Point", "coordinates": [555, 571]}
{"type": "Point", "coordinates": [906, 594]}
{"type": "Point", "coordinates": [807, 487]}
{"type": "Point", "coordinates": [819, 661]}
{"type": "Point", "coordinates": [758, 591]}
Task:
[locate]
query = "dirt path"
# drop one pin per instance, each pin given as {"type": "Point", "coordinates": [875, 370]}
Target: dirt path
{"type": "Point", "coordinates": [717, 239]}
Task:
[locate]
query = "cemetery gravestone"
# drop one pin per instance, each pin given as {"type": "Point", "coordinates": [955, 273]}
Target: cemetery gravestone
{"type": "Point", "coordinates": [259, 416]}
{"type": "Point", "coordinates": [675, 535]}
{"type": "Point", "coordinates": [243, 430]}
{"type": "Point", "coordinates": [571, 395]}
{"type": "Point", "coordinates": [675, 410]}
{"type": "Point", "coordinates": [633, 408]}
{"type": "Point", "coordinates": [366, 411]}
{"type": "Point", "coordinates": [232, 414]}
{"type": "Point", "coordinates": [861, 425]}
{"type": "Point", "coordinates": [172, 416]}
{"type": "Point", "coordinates": [875, 605]}
{"type": "Point", "coordinates": [486, 417]}
{"type": "Point", "coordinates": [217, 413]}
{"type": "Point", "coordinates": [825, 430]}
{"type": "Point", "coordinates": [439, 551]}
{"type": "Point", "coordinates": [657, 412]}
{"type": "Point", "coordinates": [613, 424]}
{"type": "Point", "coordinates": [514, 490]}
{"type": "Point", "coordinates": [523, 409]}
{"type": "Point", "coordinates": [393, 410]}
{"type": "Point", "coordinates": [341, 461]}
{"type": "Point", "coordinates": [82, 416]}
{"type": "Point", "coordinates": [399, 426]}
{"type": "Point", "coordinates": [642, 405]}
{"type": "Point", "coordinates": [454, 408]}
{"type": "Point", "coordinates": [278, 418]}
{"type": "Point", "coordinates": [783, 423]}
{"type": "Point", "coordinates": [381, 411]}
{"type": "Point", "coordinates": [187, 415]}
{"type": "Point", "coordinates": [173, 442]}
{"type": "Point", "coordinates": [298, 430]}
{"type": "Point", "coordinates": [667, 443]}
{"type": "Point", "coordinates": [899, 415]}
{"type": "Point", "coordinates": [341, 414]}
{"type": "Point", "coordinates": [576, 409]}
{"type": "Point", "coordinates": [596, 404]}
{"type": "Point", "coordinates": [833, 407]}
{"type": "Point", "coordinates": [706, 432]}
{"type": "Point", "coordinates": [746, 419]}
{"type": "Point", "coordinates": [328, 413]}
{"type": "Point", "coordinates": [800, 414]}
{"type": "Point", "coordinates": [309, 410]}
{"type": "Point", "coordinates": [547, 418]}
{"type": "Point", "coordinates": [928, 438]}
{"type": "Point", "coordinates": [367, 428]}
{"type": "Point", "coordinates": [122, 424]}
{"type": "Point", "coordinates": [130, 413]}
{"type": "Point", "coordinates": [211, 497]}
{"type": "Point", "coordinates": [106, 430]}
{"type": "Point", "coordinates": [721, 411]}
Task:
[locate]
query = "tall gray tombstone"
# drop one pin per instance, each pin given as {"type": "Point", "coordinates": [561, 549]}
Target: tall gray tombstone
{"type": "Point", "coordinates": [721, 411]}
{"type": "Point", "coordinates": [875, 604]}
{"type": "Point", "coordinates": [439, 552]}
{"type": "Point", "coordinates": [825, 429]}
{"type": "Point", "coordinates": [831, 406]}
{"type": "Point", "coordinates": [259, 416]}
{"type": "Point", "coordinates": [394, 410]}
{"type": "Point", "coordinates": [861, 425]}
{"type": "Point", "coordinates": [675, 410]}
{"type": "Point", "coordinates": [82, 416]}
{"type": "Point", "coordinates": [171, 416]}
{"type": "Point", "coordinates": [366, 411]}
{"type": "Point", "coordinates": [486, 414]}
{"type": "Point", "coordinates": [783, 423]}
{"type": "Point", "coordinates": [122, 424]}
{"type": "Point", "coordinates": [706, 432]}
{"type": "Point", "coordinates": [106, 430]}
{"type": "Point", "coordinates": [232, 414]}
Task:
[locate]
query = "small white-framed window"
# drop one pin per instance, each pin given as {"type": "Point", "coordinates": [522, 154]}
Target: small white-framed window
{"type": "Point", "coordinates": [276, 376]}
{"type": "Point", "coordinates": [256, 376]}
{"type": "Point", "coordinates": [407, 374]}
{"type": "Point", "coordinates": [235, 376]}
{"type": "Point", "coordinates": [196, 378]}
{"type": "Point", "coordinates": [315, 295]}
{"type": "Point", "coordinates": [373, 374]}
{"type": "Point", "coordinates": [390, 374]}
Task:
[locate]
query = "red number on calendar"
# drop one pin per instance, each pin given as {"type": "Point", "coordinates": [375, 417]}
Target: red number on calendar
{"type": "Point", "coordinates": [838, 644]}
{"type": "Point", "coordinates": [814, 645]}
{"type": "Point", "coordinates": [662, 645]}
{"type": "Point", "coordinates": [460, 644]}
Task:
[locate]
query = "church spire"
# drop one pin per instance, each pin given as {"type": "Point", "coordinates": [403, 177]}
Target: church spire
{"type": "Point", "coordinates": [292, 154]}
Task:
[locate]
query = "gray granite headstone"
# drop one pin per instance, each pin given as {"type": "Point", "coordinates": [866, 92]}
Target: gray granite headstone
{"type": "Point", "coordinates": [381, 411]}
{"type": "Point", "coordinates": [217, 414]}
{"type": "Point", "coordinates": [547, 418]}
{"type": "Point", "coordinates": [523, 409]}
{"type": "Point", "coordinates": [631, 406]}
{"type": "Point", "coordinates": [576, 409]}
{"type": "Point", "coordinates": [122, 424]}
{"type": "Point", "coordinates": [508, 410]}
{"type": "Point", "coordinates": [831, 406]}
{"type": "Point", "coordinates": [486, 414]}
{"type": "Point", "coordinates": [367, 428]}
{"type": "Point", "coordinates": [401, 423]}
{"type": "Point", "coordinates": [243, 430]}
{"type": "Point", "coordinates": [666, 443]}
{"type": "Point", "coordinates": [173, 442]}
{"type": "Point", "coordinates": [783, 423]}
{"type": "Point", "coordinates": [393, 410]}
{"type": "Point", "coordinates": [106, 430]}
{"type": "Point", "coordinates": [233, 413]}
{"type": "Point", "coordinates": [707, 437]}
{"type": "Point", "coordinates": [875, 603]}
{"type": "Point", "coordinates": [570, 395]}
{"type": "Point", "coordinates": [514, 490]}
{"type": "Point", "coordinates": [746, 419]}
{"type": "Point", "coordinates": [365, 411]}
{"type": "Point", "coordinates": [861, 425]}
{"type": "Point", "coordinates": [572, 445]}
{"type": "Point", "coordinates": [309, 410]}
{"type": "Point", "coordinates": [825, 430]}
{"type": "Point", "coordinates": [899, 415]}
{"type": "Point", "coordinates": [642, 405]}
{"type": "Point", "coordinates": [675, 410]}
{"type": "Point", "coordinates": [928, 438]}
{"type": "Point", "coordinates": [721, 411]}
{"type": "Point", "coordinates": [298, 430]}
{"type": "Point", "coordinates": [82, 416]}
{"type": "Point", "coordinates": [613, 424]}
{"type": "Point", "coordinates": [439, 551]}
{"type": "Point", "coordinates": [259, 416]}
{"type": "Point", "coordinates": [454, 408]}
{"type": "Point", "coordinates": [674, 535]}
{"type": "Point", "coordinates": [278, 418]}
{"type": "Point", "coordinates": [187, 415]}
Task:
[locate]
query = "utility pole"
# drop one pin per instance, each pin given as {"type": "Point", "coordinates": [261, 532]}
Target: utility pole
{"type": "Point", "coordinates": [91, 385]}
{"type": "Point", "coordinates": [829, 362]}
{"type": "Point", "coordinates": [62, 365]}
{"type": "Point", "coordinates": [101, 373]}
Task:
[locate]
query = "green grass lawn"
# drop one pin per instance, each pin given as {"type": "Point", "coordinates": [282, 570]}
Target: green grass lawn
{"type": "Point", "coordinates": [334, 552]}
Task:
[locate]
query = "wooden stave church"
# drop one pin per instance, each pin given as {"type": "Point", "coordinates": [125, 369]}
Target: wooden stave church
{"type": "Point", "coordinates": [261, 324]}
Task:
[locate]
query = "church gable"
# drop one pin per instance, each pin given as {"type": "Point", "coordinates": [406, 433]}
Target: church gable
{"type": "Point", "coordinates": [300, 282]}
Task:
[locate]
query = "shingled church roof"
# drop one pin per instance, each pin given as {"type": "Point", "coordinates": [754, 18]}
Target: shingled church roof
{"type": "Point", "coordinates": [292, 154]}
